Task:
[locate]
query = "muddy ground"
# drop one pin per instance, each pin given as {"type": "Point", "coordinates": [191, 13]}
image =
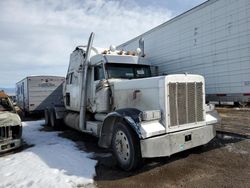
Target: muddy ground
{"type": "Point", "coordinates": [224, 162]}
{"type": "Point", "coordinates": [235, 120]}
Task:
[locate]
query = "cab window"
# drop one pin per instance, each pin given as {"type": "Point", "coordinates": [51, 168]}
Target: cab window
{"type": "Point", "coordinates": [5, 105]}
{"type": "Point", "coordinates": [99, 72]}
{"type": "Point", "coordinates": [69, 78]}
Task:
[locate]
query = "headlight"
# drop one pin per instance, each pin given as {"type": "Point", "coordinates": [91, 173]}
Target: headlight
{"type": "Point", "coordinates": [150, 115]}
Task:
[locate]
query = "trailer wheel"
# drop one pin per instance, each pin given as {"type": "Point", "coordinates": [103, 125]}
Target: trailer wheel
{"type": "Point", "coordinates": [53, 121]}
{"type": "Point", "coordinates": [126, 147]}
{"type": "Point", "coordinates": [47, 117]}
{"type": "Point", "coordinates": [243, 104]}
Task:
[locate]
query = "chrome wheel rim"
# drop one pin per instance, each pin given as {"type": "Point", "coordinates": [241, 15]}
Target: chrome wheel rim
{"type": "Point", "coordinates": [122, 146]}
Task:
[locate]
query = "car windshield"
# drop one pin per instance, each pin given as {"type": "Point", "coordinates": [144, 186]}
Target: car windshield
{"type": "Point", "coordinates": [5, 105]}
{"type": "Point", "coordinates": [127, 71]}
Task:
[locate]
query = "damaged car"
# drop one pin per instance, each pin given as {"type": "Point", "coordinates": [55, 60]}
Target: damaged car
{"type": "Point", "coordinates": [10, 125]}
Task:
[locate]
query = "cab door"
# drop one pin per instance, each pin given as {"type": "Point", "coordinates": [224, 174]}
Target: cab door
{"type": "Point", "coordinates": [101, 89]}
{"type": "Point", "coordinates": [72, 91]}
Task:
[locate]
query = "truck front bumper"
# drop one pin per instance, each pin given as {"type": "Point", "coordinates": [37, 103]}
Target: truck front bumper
{"type": "Point", "coordinates": [7, 145]}
{"type": "Point", "coordinates": [168, 144]}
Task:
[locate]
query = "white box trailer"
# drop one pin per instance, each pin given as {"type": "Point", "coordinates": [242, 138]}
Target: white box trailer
{"type": "Point", "coordinates": [212, 39]}
{"type": "Point", "coordinates": [35, 93]}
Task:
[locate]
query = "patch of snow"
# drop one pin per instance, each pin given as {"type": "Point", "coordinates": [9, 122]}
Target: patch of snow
{"type": "Point", "coordinates": [232, 148]}
{"type": "Point", "coordinates": [226, 137]}
{"type": "Point", "coordinates": [52, 162]}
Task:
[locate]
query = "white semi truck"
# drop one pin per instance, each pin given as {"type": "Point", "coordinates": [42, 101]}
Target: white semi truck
{"type": "Point", "coordinates": [109, 94]}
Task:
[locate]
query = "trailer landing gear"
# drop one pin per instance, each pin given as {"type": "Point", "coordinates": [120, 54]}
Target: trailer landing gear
{"type": "Point", "coordinates": [50, 119]}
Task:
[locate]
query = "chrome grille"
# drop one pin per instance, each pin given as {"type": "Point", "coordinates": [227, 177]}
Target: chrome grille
{"type": "Point", "coordinates": [185, 103]}
{"type": "Point", "coordinates": [5, 132]}
{"type": "Point", "coordinates": [199, 109]}
{"type": "Point", "coordinates": [191, 102]}
{"type": "Point", "coordinates": [181, 103]}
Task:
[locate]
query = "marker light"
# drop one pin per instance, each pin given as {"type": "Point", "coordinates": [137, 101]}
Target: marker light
{"type": "Point", "coordinates": [138, 51]}
{"type": "Point", "coordinates": [112, 48]}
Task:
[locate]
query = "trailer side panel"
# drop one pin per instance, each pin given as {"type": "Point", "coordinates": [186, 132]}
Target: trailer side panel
{"type": "Point", "coordinates": [213, 40]}
{"type": "Point", "coordinates": [40, 92]}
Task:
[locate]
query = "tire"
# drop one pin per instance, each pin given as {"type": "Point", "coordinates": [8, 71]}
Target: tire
{"type": "Point", "coordinates": [243, 104]}
{"type": "Point", "coordinates": [126, 147]}
{"type": "Point", "coordinates": [47, 117]}
{"type": "Point", "coordinates": [53, 121]}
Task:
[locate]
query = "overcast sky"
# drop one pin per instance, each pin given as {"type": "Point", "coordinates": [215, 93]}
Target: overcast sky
{"type": "Point", "coordinates": [37, 37]}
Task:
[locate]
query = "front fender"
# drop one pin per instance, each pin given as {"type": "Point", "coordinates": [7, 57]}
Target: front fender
{"type": "Point", "coordinates": [128, 115]}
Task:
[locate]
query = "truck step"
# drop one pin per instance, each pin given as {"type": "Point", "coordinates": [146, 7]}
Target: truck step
{"type": "Point", "coordinates": [94, 127]}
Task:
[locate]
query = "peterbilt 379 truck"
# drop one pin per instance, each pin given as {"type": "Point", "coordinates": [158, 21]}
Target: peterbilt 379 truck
{"type": "Point", "coordinates": [111, 95]}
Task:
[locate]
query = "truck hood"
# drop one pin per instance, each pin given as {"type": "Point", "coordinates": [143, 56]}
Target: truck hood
{"type": "Point", "coordinates": [180, 98]}
{"type": "Point", "coordinates": [143, 94]}
{"type": "Point", "coordinates": [9, 119]}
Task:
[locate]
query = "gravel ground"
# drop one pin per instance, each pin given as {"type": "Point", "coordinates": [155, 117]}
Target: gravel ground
{"type": "Point", "coordinates": [235, 120]}
{"type": "Point", "coordinates": [224, 162]}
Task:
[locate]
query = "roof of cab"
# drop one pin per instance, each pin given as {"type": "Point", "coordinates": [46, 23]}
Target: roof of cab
{"type": "Point", "coordinates": [111, 58]}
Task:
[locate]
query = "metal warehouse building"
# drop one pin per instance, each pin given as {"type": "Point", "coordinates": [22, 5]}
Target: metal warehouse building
{"type": "Point", "coordinates": [212, 39]}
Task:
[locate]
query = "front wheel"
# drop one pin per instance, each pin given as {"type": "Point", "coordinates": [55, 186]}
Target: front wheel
{"type": "Point", "coordinates": [126, 147]}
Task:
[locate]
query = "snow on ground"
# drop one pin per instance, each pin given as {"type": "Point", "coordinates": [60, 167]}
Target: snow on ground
{"type": "Point", "coordinates": [52, 162]}
{"type": "Point", "coordinates": [232, 148]}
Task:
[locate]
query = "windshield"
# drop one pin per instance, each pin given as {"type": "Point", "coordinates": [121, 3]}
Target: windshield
{"type": "Point", "coordinates": [5, 105]}
{"type": "Point", "coordinates": [127, 71]}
